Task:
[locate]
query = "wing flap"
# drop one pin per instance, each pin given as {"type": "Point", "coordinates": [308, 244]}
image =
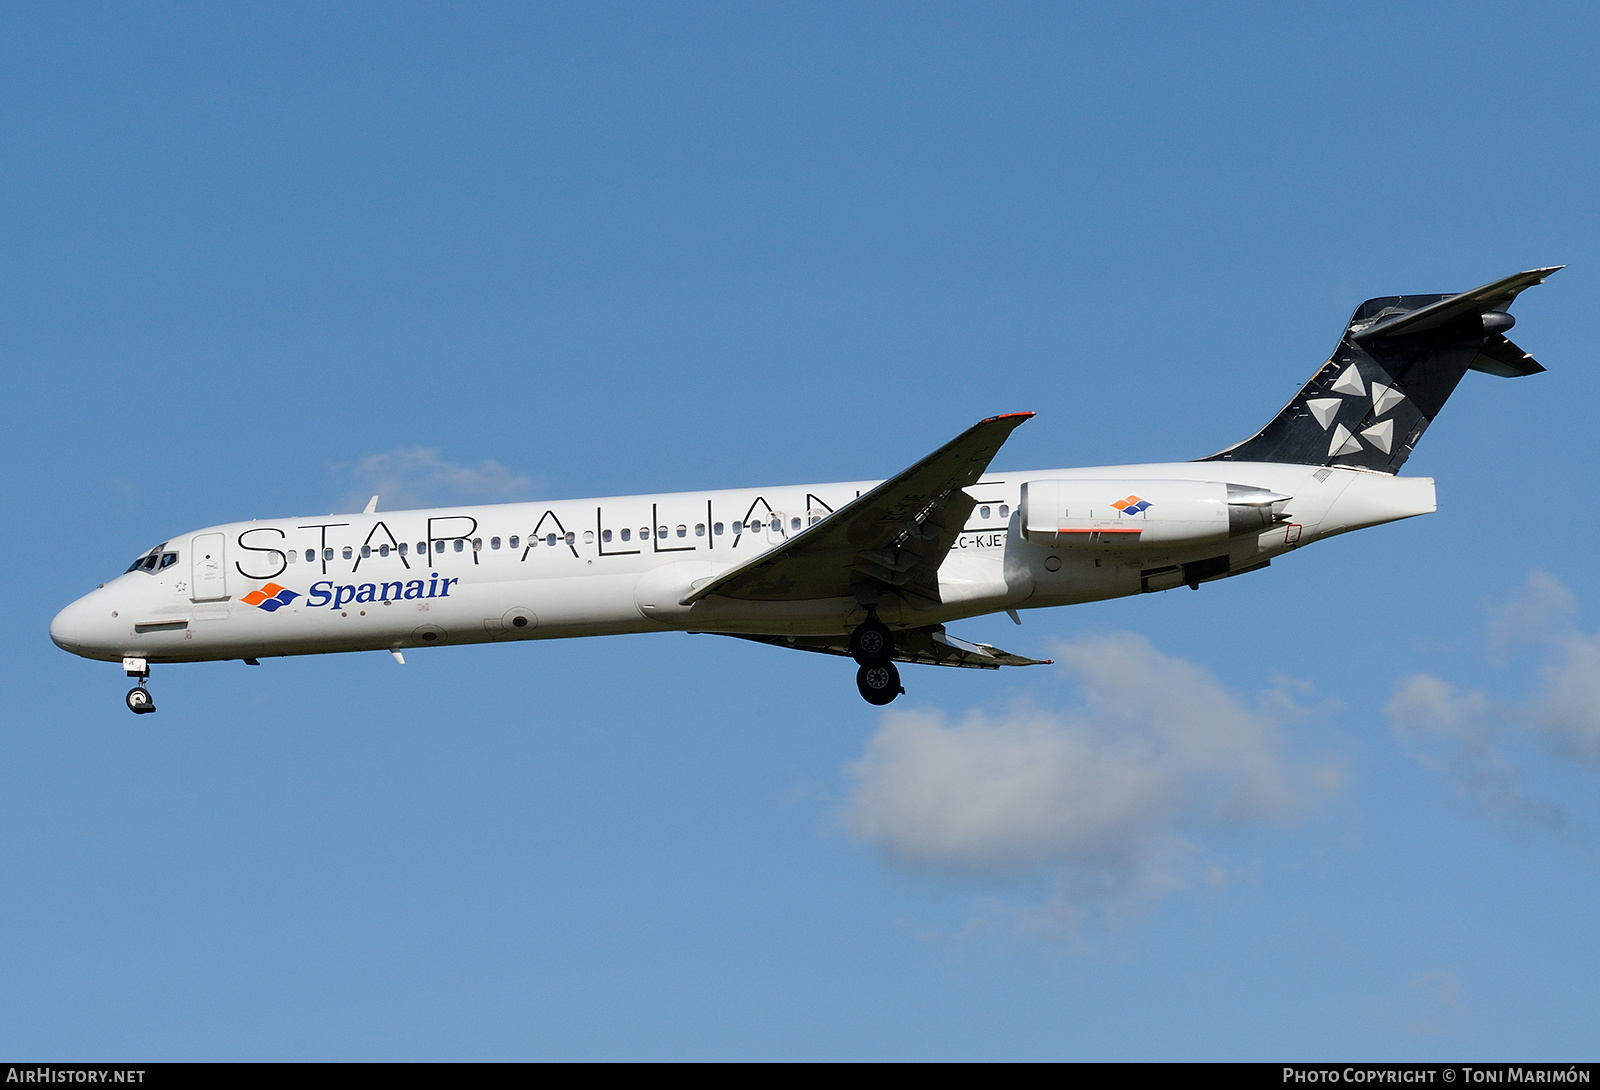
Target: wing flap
{"type": "Point", "coordinates": [928, 646]}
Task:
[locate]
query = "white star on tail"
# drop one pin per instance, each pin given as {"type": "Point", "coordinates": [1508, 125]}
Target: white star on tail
{"type": "Point", "coordinates": [1343, 442]}
{"type": "Point", "coordinates": [1350, 382]}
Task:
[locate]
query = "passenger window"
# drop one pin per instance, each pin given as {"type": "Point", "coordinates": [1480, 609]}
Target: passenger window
{"type": "Point", "coordinates": [366, 552]}
{"type": "Point", "coordinates": [571, 538]}
{"type": "Point", "coordinates": [494, 543]}
{"type": "Point", "coordinates": [549, 539]}
{"type": "Point", "coordinates": [438, 546]}
{"type": "Point", "coordinates": [683, 531]}
{"type": "Point", "coordinates": [383, 550]}
{"type": "Point", "coordinates": [348, 552]}
{"type": "Point", "coordinates": [311, 554]}
{"type": "Point", "coordinates": [644, 533]}
{"type": "Point", "coordinates": [699, 529]}
{"type": "Point", "coordinates": [402, 548]}
{"type": "Point", "coordinates": [626, 533]}
{"type": "Point", "coordinates": [717, 529]}
{"type": "Point", "coordinates": [327, 554]}
{"type": "Point", "coordinates": [422, 548]}
{"type": "Point", "coordinates": [794, 524]}
{"type": "Point", "coordinates": [605, 536]}
{"type": "Point", "coordinates": [293, 554]}
{"type": "Point", "coordinates": [1004, 511]}
{"type": "Point", "coordinates": [588, 537]}
{"type": "Point", "coordinates": [777, 524]}
{"type": "Point", "coordinates": [461, 544]}
{"type": "Point", "coordinates": [984, 511]}
{"type": "Point", "coordinates": [477, 544]}
{"type": "Point", "coordinates": [514, 540]}
{"type": "Point", "coordinates": [661, 531]}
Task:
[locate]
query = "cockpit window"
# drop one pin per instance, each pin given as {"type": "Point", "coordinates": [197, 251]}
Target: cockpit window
{"type": "Point", "coordinates": [154, 560]}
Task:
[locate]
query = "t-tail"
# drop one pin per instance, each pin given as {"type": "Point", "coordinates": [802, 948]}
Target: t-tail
{"type": "Point", "coordinates": [1399, 359]}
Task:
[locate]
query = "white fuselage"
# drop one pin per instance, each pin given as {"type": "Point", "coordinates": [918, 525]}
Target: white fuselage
{"type": "Point", "coordinates": [402, 579]}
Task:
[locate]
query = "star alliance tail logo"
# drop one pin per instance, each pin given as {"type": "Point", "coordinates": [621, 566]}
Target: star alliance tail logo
{"type": "Point", "coordinates": [270, 597]}
{"type": "Point", "coordinates": [1133, 505]}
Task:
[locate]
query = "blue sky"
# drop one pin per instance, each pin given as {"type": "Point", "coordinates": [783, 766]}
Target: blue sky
{"type": "Point", "coordinates": [261, 261]}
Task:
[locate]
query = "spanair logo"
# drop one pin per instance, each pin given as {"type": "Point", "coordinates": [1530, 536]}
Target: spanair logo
{"type": "Point", "coordinates": [270, 597]}
{"type": "Point", "coordinates": [1133, 505]}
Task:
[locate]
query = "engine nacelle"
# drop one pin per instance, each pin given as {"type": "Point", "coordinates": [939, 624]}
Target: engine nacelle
{"type": "Point", "coordinates": [1131, 515]}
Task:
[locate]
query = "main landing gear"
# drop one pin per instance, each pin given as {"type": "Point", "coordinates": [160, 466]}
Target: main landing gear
{"type": "Point", "coordinates": [872, 646]}
{"type": "Point", "coordinates": [139, 700]}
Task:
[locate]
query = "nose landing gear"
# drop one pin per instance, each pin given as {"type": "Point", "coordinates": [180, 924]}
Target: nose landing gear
{"type": "Point", "coordinates": [139, 700]}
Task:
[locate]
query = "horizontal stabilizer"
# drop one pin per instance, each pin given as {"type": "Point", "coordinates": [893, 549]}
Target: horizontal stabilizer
{"type": "Point", "coordinates": [1452, 308]}
{"type": "Point", "coordinates": [1499, 356]}
{"type": "Point", "coordinates": [929, 646]}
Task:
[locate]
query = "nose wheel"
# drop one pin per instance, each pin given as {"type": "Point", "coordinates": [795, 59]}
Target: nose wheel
{"type": "Point", "coordinates": [139, 700]}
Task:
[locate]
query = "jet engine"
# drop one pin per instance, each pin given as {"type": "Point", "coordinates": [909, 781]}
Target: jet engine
{"type": "Point", "coordinates": [1132, 515]}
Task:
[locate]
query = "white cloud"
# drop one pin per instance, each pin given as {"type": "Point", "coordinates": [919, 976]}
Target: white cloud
{"type": "Point", "coordinates": [1458, 735]}
{"type": "Point", "coordinates": [1482, 745]}
{"type": "Point", "coordinates": [1431, 1005]}
{"type": "Point", "coordinates": [1567, 710]}
{"type": "Point", "coordinates": [419, 477]}
{"type": "Point", "coordinates": [1540, 611]}
{"type": "Point", "coordinates": [1099, 798]}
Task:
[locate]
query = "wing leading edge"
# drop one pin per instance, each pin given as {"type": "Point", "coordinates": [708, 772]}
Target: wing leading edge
{"type": "Point", "coordinates": [893, 537]}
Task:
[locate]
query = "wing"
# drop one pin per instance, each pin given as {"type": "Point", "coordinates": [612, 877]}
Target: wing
{"type": "Point", "coordinates": [893, 537]}
{"type": "Point", "coordinates": [930, 646]}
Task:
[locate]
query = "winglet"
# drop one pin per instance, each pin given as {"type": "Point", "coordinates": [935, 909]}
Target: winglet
{"type": "Point", "coordinates": [371, 507]}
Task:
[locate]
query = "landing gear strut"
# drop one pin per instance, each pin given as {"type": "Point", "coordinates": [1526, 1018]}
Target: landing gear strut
{"type": "Point", "coordinates": [139, 700]}
{"type": "Point", "coordinates": [872, 646]}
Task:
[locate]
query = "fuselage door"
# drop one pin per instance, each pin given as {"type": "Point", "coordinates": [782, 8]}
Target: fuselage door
{"type": "Point", "coordinates": [208, 572]}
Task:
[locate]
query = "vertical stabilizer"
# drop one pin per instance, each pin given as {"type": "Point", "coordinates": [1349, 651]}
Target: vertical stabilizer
{"type": "Point", "coordinates": [1399, 359]}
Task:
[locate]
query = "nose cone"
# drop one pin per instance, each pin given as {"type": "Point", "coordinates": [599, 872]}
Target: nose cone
{"type": "Point", "coordinates": [82, 627]}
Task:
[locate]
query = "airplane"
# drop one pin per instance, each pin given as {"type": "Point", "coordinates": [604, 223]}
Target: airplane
{"type": "Point", "coordinates": [868, 570]}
